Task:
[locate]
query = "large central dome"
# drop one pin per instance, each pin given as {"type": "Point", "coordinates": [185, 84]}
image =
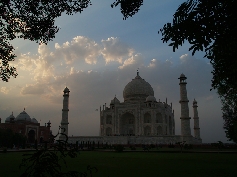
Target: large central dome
{"type": "Point", "coordinates": [137, 90]}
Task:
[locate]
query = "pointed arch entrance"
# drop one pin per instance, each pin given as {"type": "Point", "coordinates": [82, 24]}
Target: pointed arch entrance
{"type": "Point", "coordinates": [31, 136]}
{"type": "Point", "coordinates": [127, 124]}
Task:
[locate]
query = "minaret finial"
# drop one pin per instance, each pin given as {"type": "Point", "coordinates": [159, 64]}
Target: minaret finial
{"type": "Point", "coordinates": [137, 71]}
{"type": "Point", "coordinates": [24, 109]}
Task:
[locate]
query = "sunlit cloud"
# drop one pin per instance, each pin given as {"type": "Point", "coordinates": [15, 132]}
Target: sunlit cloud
{"type": "Point", "coordinates": [80, 48]}
{"type": "Point", "coordinates": [4, 90]}
{"type": "Point", "coordinates": [115, 50]}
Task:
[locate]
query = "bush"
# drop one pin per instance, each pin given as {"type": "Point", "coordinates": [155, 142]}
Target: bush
{"type": "Point", "coordinates": [152, 146]}
{"type": "Point", "coordinates": [188, 146]}
{"type": "Point", "coordinates": [4, 150]}
{"type": "Point", "coordinates": [171, 146]}
{"type": "Point", "coordinates": [119, 148]}
{"type": "Point", "coordinates": [47, 162]}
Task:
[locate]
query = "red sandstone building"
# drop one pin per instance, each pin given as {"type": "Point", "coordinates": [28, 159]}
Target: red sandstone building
{"type": "Point", "coordinates": [29, 127]}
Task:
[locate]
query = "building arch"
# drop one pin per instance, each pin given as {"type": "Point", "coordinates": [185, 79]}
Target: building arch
{"type": "Point", "coordinates": [31, 136]}
{"type": "Point", "coordinates": [159, 118]}
{"type": "Point", "coordinates": [170, 126]}
{"type": "Point", "coordinates": [108, 131]}
{"type": "Point", "coordinates": [127, 124]}
{"type": "Point", "coordinates": [108, 119]}
{"type": "Point", "coordinates": [147, 118]}
{"type": "Point", "coordinates": [147, 130]}
{"type": "Point", "coordinates": [41, 139]}
{"type": "Point", "coordinates": [159, 130]}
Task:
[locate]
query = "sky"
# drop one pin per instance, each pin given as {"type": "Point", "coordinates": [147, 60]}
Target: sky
{"type": "Point", "coordinates": [95, 54]}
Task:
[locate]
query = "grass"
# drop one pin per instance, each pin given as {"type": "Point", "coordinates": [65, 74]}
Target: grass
{"type": "Point", "coordinates": [138, 164]}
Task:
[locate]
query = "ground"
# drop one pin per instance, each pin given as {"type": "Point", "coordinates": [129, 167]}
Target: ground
{"type": "Point", "coordinates": [139, 164]}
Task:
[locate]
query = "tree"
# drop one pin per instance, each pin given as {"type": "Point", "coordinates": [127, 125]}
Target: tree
{"type": "Point", "coordinates": [210, 26]}
{"type": "Point", "coordinates": [33, 20]}
{"type": "Point", "coordinates": [8, 138]}
{"type": "Point", "coordinates": [229, 110]}
{"type": "Point", "coordinates": [47, 161]}
{"type": "Point", "coordinates": [207, 25]}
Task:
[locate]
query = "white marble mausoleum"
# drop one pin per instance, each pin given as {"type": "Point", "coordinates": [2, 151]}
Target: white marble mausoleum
{"type": "Point", "coordinates": [140, 118]}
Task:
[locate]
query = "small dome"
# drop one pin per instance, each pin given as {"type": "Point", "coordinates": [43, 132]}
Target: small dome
{"type": "Point", "coordinates": [34, 120]}
{"type": "Point", "coordinates": [182, 76]}
{"type": "Point", "coordinates": [23, 116]}
{"type": "Point", "coordinates": [115, 101]}
{"type": "Point", "coordinates": [137, 90]}
{"type": "Point", "coordinates": [150, 99]}
{"type": "Point", "coordinates": [9, 118]}
{"type": "Point", "coordinates": [66, 90]}
{"type": "Point", "coordinates": [194, 102]}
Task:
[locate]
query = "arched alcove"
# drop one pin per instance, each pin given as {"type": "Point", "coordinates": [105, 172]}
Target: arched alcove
{"type": "Point", "coordinates": [108, 119]}
{"type": "Point", "coordinates": [108, 131]}
{"type": "Point", "coordinates": [170, 126]}
{"type": "Point", "coordinates": [159, 130]}
{"type": "Point", "coordinates": [159, 118]}
{"type": "Point", "coordinates": [166, 119]}
{"type": "Point", "coordinates": [147, 118]}
{"type": "Point", "coordinates": [147, 130]}
{"type": "Point", "coordinates": [31, 136]}
{"type": "Point", "coordinates": [127, 124]}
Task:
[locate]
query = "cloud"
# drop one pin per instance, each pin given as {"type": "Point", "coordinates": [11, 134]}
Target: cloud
{"type": "Point", "coordinates": [80, 48]}
{"type": "Point", "coordinates": [115, 50]}
{"type": "Point", "coordinates": [34, 89]}
{"type": "Point", "coordinates": [92, 87]}
{"type": "Point", "coordinates": [4, 90]}
{"type": "Point", "coordinates": [25, 62]}
{"type": "Point", "coordinates": [135, 60]}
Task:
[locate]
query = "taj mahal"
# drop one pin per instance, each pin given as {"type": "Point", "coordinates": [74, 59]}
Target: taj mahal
{"type": "Point", "coordinates": [140, 118]}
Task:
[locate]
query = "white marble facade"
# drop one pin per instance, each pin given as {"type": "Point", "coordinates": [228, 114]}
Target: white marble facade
{"type": "Point", "coordinates": [141, 119]}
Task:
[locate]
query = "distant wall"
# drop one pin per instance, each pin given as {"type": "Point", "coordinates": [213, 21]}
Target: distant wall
{"type": "Point", "coordinates": [135, 139]}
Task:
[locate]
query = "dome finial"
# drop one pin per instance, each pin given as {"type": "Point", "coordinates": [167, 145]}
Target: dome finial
{"type": "Point", "coordinates": [137, 72]}
{"type": "Point", "coordinates": [24, 109]}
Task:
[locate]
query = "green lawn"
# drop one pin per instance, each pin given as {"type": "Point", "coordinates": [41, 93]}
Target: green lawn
{"type": "Point", "coordinates": [138, 164]}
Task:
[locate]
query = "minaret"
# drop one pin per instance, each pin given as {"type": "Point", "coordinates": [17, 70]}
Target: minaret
{"type": "Point", "coordinates": [185, 119]}
{"type": "Point", "coordinates": [196, 120]}
{"type": "Point", "coordinates": [64, 122]}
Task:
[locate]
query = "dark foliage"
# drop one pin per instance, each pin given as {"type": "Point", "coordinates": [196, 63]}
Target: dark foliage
{"type": "Point", "coordinates": [219, 145]}
{"type": "Point", "coordinates": [32, 20]}
{"type": "Point", "coordinates": [181, 145]}
{"type": "Point", "coordinates": [119, 148]}
{"type": "Point", "coordinates": [46, 161]}
{"type": "Point", "coordinates": [188, 146]}
{"type": "Point", "coordinates": [210, 26]}
{"type": "Point", "coordinates": [8, 138]}
{"type": "Point", "coordinates": [128, 7]}
{"type": "Point", "coordinates": [171, 146]}
{"type": "Point", "coordinates": [229, 110]}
